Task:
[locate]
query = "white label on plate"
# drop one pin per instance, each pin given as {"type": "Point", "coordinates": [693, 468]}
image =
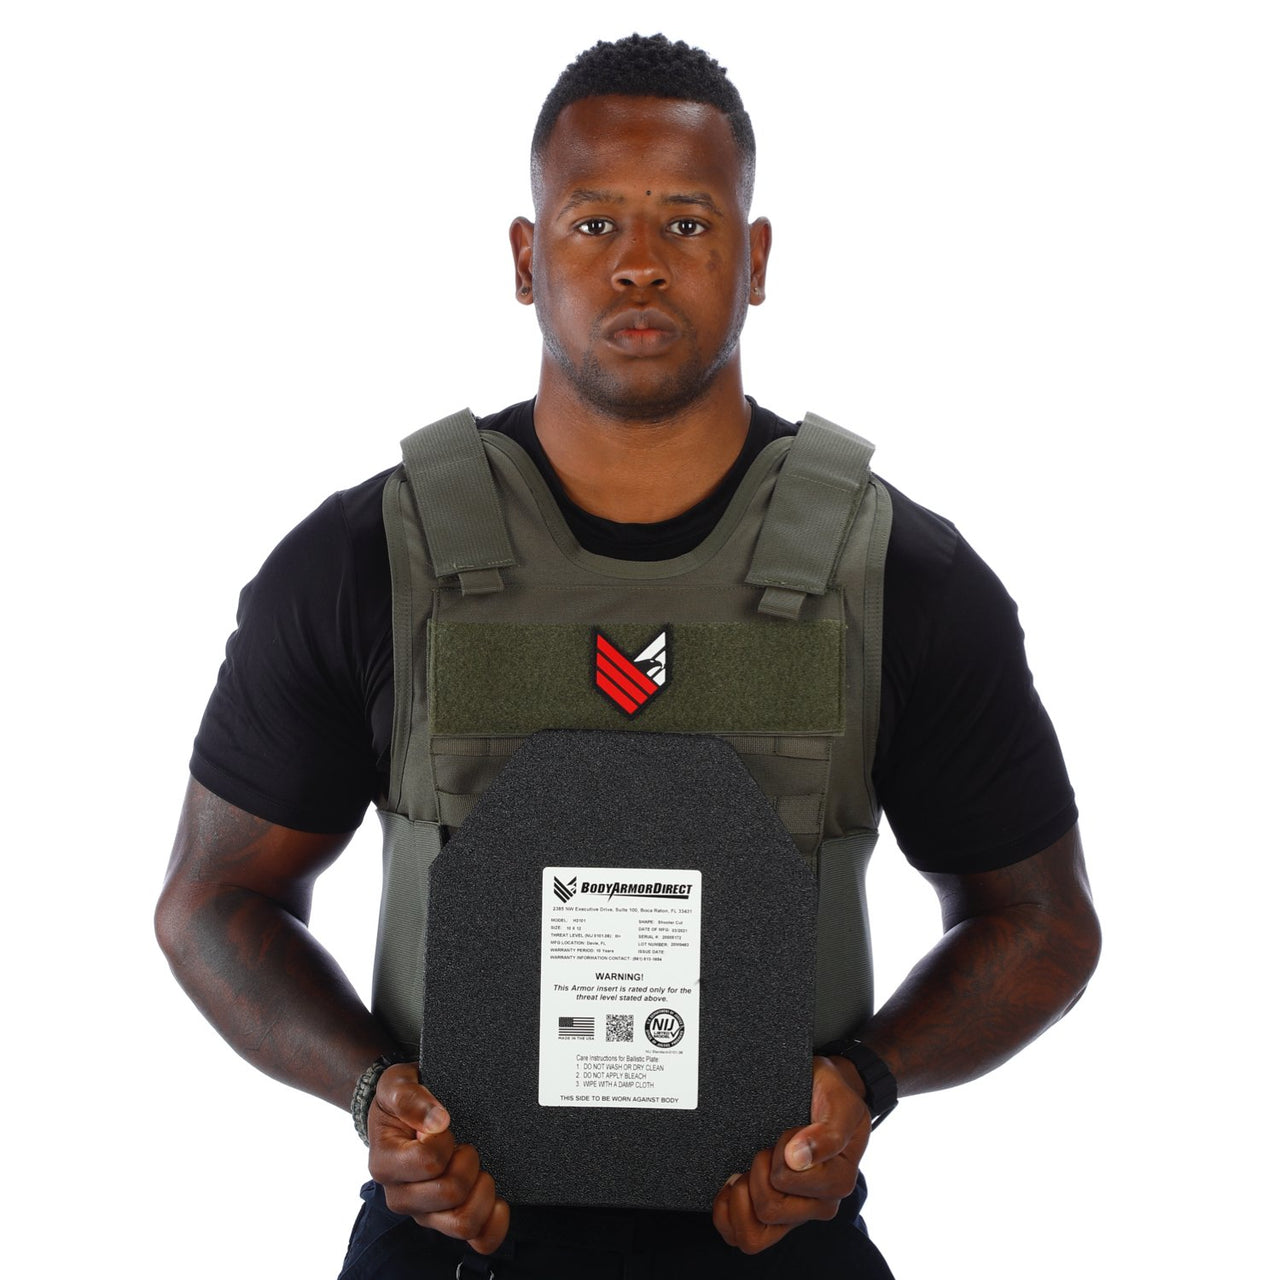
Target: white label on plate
{"type": "Point", "coordinates": [621, 961]}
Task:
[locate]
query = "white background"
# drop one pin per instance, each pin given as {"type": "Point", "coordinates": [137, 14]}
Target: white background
{"type": "Point", "coordinates": [1029, 249]}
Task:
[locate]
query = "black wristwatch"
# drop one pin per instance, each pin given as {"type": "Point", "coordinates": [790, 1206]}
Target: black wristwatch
{"type": "Point", "coordinates": [882, 1088]}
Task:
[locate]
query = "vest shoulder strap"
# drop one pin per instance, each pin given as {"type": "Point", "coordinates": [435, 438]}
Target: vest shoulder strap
{"type": "Point", "coordinates": [457, 502]}
{"type": "Point", "coordinates": [817, 495]}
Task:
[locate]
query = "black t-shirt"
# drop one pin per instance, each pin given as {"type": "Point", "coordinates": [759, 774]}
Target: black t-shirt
{"type": "Point", "coordinates": [967, 766]}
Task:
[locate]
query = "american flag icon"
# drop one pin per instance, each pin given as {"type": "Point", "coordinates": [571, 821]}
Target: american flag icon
{"type": "Point", "coordinates": [577, 1028]}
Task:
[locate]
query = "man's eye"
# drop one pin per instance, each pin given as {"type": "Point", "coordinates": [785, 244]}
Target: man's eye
{"type": "Point", "coordinates": [595, 226]}
{"type": "Point", "coordinates": [688, 227]}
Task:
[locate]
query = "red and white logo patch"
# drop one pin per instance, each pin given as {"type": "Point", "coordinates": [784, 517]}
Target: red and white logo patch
{"type": "Point", "coordinates": [631, 683]}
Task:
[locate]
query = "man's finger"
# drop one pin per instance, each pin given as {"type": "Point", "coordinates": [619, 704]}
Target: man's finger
{"type": "Point", "coordinates": [784, 1198]}
{"type": "Point", "coordinates": [772, 1206]}
{"type": "Point", "coordinates": [405, 1146]}
{"type": "Point", "coordinates": [402, 1097]}
{"type": "Point", "coordinates": [720, 1212]}
{"type": "Point", "coordinates": [817, 1143]}
{"type": "Point", "coordinates": [495, 1230]}
{"type": "Point", "coordinates": [465, 1218]}
{"type": "Point", "coordinates": [829, 1180]}
{"type": "Point", "coordinates": [420, 1194]}
{"type": "Point", "coordinates": [839, 1118]}
{"type": "Point", "coordinates": [749, 1233]}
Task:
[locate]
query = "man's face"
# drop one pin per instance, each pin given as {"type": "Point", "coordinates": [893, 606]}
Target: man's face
{"type": "Point", "coordinates": [641, 264]}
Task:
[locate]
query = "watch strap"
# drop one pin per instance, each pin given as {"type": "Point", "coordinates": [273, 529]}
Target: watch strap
{"type": "Point", "coordinates": [881, 1087]}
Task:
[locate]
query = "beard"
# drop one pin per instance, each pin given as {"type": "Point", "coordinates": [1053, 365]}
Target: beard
{"type": "Point", "coordinates": [651, 399]}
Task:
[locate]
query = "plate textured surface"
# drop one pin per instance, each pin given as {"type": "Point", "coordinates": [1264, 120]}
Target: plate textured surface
{"type": "Point", "coordinates": [604, 799]}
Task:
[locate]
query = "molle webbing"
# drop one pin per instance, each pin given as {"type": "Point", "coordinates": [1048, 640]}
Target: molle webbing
{"type": "Point", "coordinates": [790, 771]}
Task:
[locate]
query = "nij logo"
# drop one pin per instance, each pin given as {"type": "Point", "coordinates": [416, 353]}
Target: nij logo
{"type": "Point", "coordinates": [631, 683]}
{"type": "Point", "coordinates": [665, 1028]}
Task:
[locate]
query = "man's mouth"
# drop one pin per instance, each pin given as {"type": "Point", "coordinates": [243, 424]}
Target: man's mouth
{"type": "Point", "coordinates": [639, 320]}
{"type": "Point", "coordinates": [640, 331]}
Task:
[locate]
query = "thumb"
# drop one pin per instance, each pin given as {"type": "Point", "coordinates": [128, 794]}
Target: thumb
{"type": "Point", "coordinates": [403, 1097]}
{"type": "Point", "coordinates": [836, 1113]}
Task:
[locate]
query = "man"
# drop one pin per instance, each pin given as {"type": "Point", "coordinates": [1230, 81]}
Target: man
{"type": "Point", "coordinates": [641, 265]}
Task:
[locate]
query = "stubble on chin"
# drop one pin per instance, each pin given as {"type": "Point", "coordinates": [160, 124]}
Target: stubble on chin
{"type": "Point", "coordinates": [656, 402]}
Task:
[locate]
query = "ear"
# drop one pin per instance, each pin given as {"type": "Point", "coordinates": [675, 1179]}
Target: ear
{"type": "Point", "coordinates": [761, 242]}
{"type": "Point", "coordinates": [522, 253]}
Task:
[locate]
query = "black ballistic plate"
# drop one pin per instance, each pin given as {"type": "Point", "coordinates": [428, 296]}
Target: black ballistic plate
{"type": "Point", "coordinates": [598, 799]}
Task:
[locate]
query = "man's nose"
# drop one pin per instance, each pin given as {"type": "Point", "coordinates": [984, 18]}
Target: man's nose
{"type": "Point", "coordinates": [640, 262]}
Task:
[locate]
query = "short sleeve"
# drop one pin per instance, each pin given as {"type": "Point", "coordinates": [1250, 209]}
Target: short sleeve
{"type": "Point", "coordinates": [286, 734]}
{"type": "Point", "coordinates": [971, 776]}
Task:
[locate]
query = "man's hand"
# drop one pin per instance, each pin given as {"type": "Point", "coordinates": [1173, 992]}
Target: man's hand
{"type": "Point", "coordinates": [424, 1173]}
{"type": "Point", "coordinates": [807, 1173]}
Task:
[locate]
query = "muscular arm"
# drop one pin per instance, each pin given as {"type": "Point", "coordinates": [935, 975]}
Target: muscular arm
{"type": "Point", "coordinates": [1019, 945]}
{"type": "Point", "coordinates": [232, 920]}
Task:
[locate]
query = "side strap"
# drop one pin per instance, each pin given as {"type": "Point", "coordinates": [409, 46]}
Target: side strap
{"type": "Point", "coordinates": [814, 502]}
{"type": "Point", "coordinates": [458, 502]}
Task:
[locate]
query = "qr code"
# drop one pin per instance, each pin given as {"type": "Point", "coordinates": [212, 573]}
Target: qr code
{"type": "Point", "coordinates": [620, 1026]}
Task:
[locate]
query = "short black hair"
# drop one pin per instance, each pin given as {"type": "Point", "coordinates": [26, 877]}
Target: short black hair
{"type": "Point", "coordinates": [648, 67]}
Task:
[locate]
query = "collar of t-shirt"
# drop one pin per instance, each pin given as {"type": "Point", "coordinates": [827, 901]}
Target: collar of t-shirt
{"type": "Point", "coordinates": [661, 539]}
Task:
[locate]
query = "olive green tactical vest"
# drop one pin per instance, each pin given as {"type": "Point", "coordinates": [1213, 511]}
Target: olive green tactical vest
{"type": "Point", "coordinates": [767, 634]}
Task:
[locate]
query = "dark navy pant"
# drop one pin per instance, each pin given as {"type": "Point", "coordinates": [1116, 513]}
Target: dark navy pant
{"type": "Point", "coordinates": [607, 1244]}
